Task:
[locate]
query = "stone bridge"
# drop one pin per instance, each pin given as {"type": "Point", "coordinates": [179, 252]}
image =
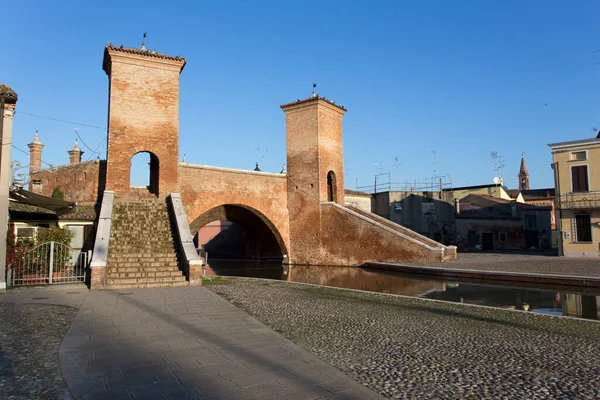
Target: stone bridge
{"type": "Point", "coordinates": [298, 214]}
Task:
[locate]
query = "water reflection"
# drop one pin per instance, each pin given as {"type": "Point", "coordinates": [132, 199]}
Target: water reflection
{"type": "Point", "coordinates": [536, 299]}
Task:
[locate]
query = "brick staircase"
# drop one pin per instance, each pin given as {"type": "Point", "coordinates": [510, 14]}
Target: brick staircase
{"type": "Point", "coordinates": [142, 252]}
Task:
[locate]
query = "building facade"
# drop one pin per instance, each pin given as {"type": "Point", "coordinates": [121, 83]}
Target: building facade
{"type": "Point", "coordinates": [576, 166]}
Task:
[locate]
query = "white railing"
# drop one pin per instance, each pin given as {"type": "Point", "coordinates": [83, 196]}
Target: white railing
{"type": "Point", "coordinates": [48, 263]}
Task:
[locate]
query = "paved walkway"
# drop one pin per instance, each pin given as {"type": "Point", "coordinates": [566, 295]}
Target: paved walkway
{"type": "Point", "coordinates": [183, 343]}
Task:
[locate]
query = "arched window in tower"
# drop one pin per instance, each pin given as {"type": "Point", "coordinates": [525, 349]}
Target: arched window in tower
{"type": "Point", "coordinates": [331, 187]}
{"type": "Point", "coordinates": [523, 184]}
{"type": "Point", "coordinates": [144, 171]}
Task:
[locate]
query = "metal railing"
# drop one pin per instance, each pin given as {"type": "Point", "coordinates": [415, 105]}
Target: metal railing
{"type": "Point", "coordinates": [48, 263]}
{"type": "Point", "coordinates": [579, 200]}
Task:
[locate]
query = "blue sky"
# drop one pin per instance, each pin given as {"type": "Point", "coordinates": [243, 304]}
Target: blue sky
{"type": "Point", "coordinates": [439, 85]}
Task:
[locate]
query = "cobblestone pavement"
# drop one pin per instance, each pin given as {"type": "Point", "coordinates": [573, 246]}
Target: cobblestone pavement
{"type": "Point", "coordinates": [29, 338]}
{"type": "Point", "coordinates": [415, 348]}
{"type": "Point", "coordinates": [33, 322]}
{"type": "Point", "coordinates": [537, 264]}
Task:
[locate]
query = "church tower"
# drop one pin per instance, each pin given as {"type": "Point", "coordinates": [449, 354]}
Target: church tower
{"type": "Point", "coordinates": [523, 175]}
{"type": "Point", "coordinates": [143, 117]}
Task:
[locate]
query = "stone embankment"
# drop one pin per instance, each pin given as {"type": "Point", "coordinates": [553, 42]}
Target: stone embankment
{"type": "Point", "coordinates": [414, 348]}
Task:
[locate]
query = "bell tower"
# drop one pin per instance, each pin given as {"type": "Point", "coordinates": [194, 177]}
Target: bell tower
{"type": "Point", "coordinates": [523, 175]}
{"type": "Point", "coordinates": [143, 117]}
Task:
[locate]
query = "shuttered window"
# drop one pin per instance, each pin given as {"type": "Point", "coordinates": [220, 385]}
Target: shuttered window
{"type": "Point", "coordinates": [583, 228]}
{"type": "Point", "coordinates": [579, 177]}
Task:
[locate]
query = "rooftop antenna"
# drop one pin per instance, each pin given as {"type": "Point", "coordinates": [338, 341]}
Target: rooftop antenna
{"type": "Point", "coordinates": [313, 91]}
{"type": "Point", "coordinates": [498, 162]}
{"type": "Point", "coordinates": [144, 41]}
{"type": "Point", "coordinates": [397, 163]}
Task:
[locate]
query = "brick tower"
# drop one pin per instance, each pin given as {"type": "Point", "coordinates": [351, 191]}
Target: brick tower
{"type": "Point", "coordinates": [315, 167]}
{"type": "Point", "coordinates": [143, 116]}
{"type": "Point", "coordinates": [523, 175]}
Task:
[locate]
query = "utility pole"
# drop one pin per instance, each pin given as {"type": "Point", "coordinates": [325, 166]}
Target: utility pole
{"type": "Point", "coordinates": [8, 102]}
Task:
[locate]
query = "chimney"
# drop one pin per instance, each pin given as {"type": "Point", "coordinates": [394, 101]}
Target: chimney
{"type": "Point", "coordinates": [35, 154]}
{"type": "Point", "coordinates": [75, 154]}
{"type": "Point", "coordinates": [456, 206]}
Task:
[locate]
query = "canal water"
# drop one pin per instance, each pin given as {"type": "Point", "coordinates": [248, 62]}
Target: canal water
{"type": "Point", "coordinates": [554, 300]}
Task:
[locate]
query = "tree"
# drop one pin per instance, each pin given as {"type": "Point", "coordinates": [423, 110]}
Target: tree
{"type": "Point", "coordinates": [58, 194]}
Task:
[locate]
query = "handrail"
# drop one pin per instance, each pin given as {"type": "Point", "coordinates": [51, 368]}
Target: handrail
{"type": "Point", "coordinates": [191, 258]}
{"type": "Point", "coordinates": [100, 254]}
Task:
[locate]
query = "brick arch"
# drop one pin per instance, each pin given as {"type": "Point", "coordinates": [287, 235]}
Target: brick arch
{"type": "Point", "coordinates": [153, 183]}
{"type": "Point", "coordinates": [250, 218]}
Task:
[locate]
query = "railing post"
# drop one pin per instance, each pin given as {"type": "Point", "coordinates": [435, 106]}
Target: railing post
{"type": "Point", "coordinates": [51, 262]}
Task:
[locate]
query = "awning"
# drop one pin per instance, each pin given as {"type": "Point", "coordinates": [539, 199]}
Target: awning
{"type": "Point", "coordinates": [26, 197]}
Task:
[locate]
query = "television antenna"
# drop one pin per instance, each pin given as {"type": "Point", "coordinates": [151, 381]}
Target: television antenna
{"type": "Point", "coordinates": [498, 162]}
{"type": "Point", "coordinates": [434, 162]}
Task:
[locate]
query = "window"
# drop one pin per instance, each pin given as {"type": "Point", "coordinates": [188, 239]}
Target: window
{"type": "Point", "coordinates": [579, 155]}
{"type": "Point", "coordinates": [502, 237]}
{"type": "Point", "coordinates": [472, 237]}
{"type": "Point", "coordinates": [530, 221]}
{"type": "Point", "coordinates": [25, 233]}
{"type": "Point", "coordinates": [583, 228]}
{"type": "Point", "coordinates": [579, 178]}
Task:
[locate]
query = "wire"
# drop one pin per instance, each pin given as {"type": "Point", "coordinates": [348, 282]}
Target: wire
{"type": "Point", "coordinates": [83, 143]}
{"type": "Point", "coordinates": [27, 153]}
{"type": "Point", "coordinates": [61, 120]}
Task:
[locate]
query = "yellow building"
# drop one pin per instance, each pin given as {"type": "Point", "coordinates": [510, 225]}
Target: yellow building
{"type": "Point", "coordinates": [576, 166]}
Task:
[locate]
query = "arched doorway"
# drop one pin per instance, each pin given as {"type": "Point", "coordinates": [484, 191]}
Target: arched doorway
{"type": "Point", "coordinates": [144, 172]}
{"type": "Point", "coordinates": [331, 187]}
{"type": "Point", "coordinates": [232, 232]}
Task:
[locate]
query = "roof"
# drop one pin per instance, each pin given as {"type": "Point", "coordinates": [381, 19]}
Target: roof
{"type": "Point", "coordinates": [470, 187]}
{"type": "Point", "coordinates": [472, 210]}
{"type": "Point", "coordinates": [26, 205]}
{"type": "Point", "coordinates": [538, 194]}
{"type": "Point", "coordinates": [139, 52]}
{"type": "Point", "coordinates": [513, 193]}
{"type": "Point", "coordinates": [574, 143]}
{"type": "Point", "coordinates": [523, 169]}
{"type": "Point", "coordinates": [10, 96]}
{"type": "Point", "coordinates": [485, 206]}
{"type": "Point", "coordinates": [26, 197]}
{"type": "Point", "coordinates": [349, 192]}
{"type": "Point", "coordinates": [311, 99]}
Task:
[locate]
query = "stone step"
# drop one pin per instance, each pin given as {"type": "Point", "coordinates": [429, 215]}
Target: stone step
{"type": "Point", "coordinates": [134, 257]}
{"type": "Point", "coordinates": [119, 264]}
{"type": "Point", "coordinates": [112, 269]}
{"type": "Point", "coordinates": [158, 274]}
{"type": "Point", "coordinates": [179, 278]}
{"type": "Point", "coordinates": [112, 286]}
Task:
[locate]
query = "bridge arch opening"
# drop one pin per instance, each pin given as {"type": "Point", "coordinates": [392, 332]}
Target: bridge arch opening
{"type": "Point", "coordinates": [144, 171]}
{"type": "Point", "coordinates": [331, 187]}
{"type": "Point", "coordinates": [236, 232]}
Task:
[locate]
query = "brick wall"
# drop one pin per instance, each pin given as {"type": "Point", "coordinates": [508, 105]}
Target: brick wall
{"type": "Point", "coordinates": [81, 182]}
{"type": "Point", "coordinates": [349, 240]}
{"type": "Point", "coordinates": [143, 117]}
{"type": "Point", "coordinates": [205, 191]}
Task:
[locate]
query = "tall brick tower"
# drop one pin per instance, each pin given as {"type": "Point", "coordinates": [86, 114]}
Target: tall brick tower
{"type": "Point", "coordinates": [315, 167]}
{"type": "Point", "coordinates": [143, 116]}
